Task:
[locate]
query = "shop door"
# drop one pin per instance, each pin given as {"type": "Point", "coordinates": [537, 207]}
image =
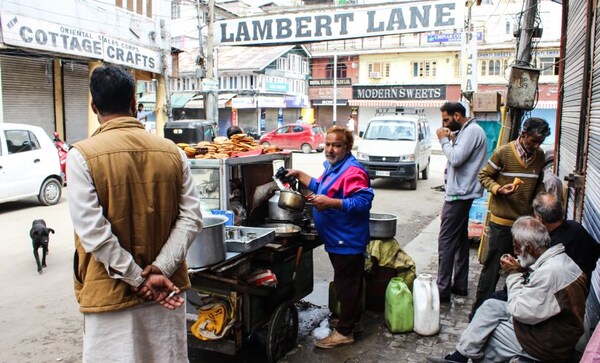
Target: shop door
{"type": "Point", "coordinates": [75, 90]}
{"type": "Point", "coordinates": [572, 142]}
{"type": "Point", "coordinates": [28, 91]}
{"type": "Point", "coordinates": [591, 204]}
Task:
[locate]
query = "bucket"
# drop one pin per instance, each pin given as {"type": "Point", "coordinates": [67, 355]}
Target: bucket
{"type": "Point", "coordinates": [398, 307]}
{"type": "Point", "coordinates": [426, 301]}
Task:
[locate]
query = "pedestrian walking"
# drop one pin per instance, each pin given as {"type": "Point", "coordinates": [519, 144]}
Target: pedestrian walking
{"type": "Point", "coordinates": [135, 213]}
{"type": "Point", "coordinates": [466, 154]}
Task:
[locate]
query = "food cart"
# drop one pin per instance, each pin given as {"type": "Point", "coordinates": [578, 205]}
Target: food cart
{"type": "Point", "coordinates": [233, 184]}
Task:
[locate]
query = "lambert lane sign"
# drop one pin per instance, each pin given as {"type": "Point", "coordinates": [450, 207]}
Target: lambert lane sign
{"type": "Point", "coordinates": [339, 23]}
{"type": "Point", "coordinates": [421, 92]}
{"type": "Point", "coordinates": [51, 37]}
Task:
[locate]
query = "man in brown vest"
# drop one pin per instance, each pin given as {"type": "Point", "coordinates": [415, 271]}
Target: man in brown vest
{"type": "Point", "coordinates": [135, 213]}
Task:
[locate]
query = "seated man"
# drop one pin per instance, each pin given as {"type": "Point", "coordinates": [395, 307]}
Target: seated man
{"type": "Point", "coordinates": [579, 245]}
{"type": "Point", "coordinates": [234, 130]}
{"type": "Point", "coordinates": [543, 318]}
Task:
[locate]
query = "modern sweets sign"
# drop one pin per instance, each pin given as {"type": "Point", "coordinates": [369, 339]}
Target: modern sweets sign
{"type": "Point", "coordinates": [409, 92]}
{"type": "Point", "coordinates": [340, 23]}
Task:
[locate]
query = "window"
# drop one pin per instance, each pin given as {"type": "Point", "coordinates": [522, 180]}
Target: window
{"type": "Point", "coordinates": [492, 67]}
{"type": "Point", "coordinates": [18, 141]}
{"type": "Point", "coordinates": [424, 69]}
{"type": "Point", "coordinates": [549, 66]}
{"type": "Point", "coordinates": [507, 27]}
{"type": "Point", "coordinates": [175, 9]}
{"type": "Point", "coordinates": [379, 69]}
{"type": "Point", "coordinates": [342, 70]}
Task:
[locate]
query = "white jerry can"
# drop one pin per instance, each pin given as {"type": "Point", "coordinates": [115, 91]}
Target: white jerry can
{"type": "Point", "coordinates": [426, 301]}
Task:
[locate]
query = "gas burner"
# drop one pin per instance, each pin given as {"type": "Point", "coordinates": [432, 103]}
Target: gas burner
{"type": "Point", "coordinates": [303, 223]}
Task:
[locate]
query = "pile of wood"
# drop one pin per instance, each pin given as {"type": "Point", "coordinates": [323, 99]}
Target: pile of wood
{"type": "Point", "coordinates": [223, 147]}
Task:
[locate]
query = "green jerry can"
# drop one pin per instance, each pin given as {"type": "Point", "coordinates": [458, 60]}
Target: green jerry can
{"type": "Point", "coordinates": [334, 303]}
{"type": "Point", "coordinates": [398, 307]}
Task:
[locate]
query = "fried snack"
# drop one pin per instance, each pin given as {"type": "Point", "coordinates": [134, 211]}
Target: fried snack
{"type": "Point", "coordinates": [190, 152]}
{"type": "Point", "coordinates": [272, 149]}
{"type": "Point", "coordinates": [517, 182]}
{"type": "Point", "coordinates": [220, 139]}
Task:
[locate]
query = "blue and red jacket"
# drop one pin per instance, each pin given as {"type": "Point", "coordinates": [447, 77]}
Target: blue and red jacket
{"type": "Point", "coordinates": [345, 231]}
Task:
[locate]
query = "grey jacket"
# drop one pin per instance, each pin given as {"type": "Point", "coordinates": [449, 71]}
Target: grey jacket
{"type": "Point", "coordinates": [467, 155]}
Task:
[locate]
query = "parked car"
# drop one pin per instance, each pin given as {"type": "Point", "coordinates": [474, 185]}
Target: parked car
{"type": "Point", "coordinates": [396, 146]}
{"type": "Point", "coordinates": [29, 165]}
{"type": "Point", "coordinates": [296, 137]}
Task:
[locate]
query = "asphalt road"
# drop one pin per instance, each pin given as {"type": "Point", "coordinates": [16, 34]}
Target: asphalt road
{"type": "Point", "coordinates": [39, 315]}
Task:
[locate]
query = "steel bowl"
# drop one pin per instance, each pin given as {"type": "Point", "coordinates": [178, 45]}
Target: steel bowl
{"type": "Point", "coordinates": [382, 226]}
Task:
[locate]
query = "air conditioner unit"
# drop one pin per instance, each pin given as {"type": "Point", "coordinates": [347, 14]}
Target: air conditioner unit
{"type": "Point", "coordinates": [375, 75]}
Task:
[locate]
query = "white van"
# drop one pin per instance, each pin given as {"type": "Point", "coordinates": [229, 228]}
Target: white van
{"type": "Point", "coordinates": [29, 164]}
{"type": "Point", "coordinates": [396, 146]}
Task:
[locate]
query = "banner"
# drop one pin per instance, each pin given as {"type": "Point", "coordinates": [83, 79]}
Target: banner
{"type": "Point", "coordinates": [22, 31]}
{"type": "Point", "coordinates": [339, 23]}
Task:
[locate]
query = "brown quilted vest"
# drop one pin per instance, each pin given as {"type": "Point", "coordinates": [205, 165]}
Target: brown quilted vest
{"type": "Point", "coordinates": [138, 179]}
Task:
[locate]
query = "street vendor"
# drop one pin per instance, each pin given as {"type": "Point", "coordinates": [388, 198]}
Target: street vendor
{"type": "Point", "coordinates": [342, 202]}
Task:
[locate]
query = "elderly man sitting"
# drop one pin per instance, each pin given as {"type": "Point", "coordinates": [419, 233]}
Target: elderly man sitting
{"type": "Point", "coordinates": [543, 318]}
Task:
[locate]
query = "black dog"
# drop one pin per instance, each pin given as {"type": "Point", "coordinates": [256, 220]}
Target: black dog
{"type": "Point", "coordinates": [40, 236]}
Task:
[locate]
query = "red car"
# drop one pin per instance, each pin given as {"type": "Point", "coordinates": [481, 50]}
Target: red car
{"type": "Point", "coordinates": [296, 137]}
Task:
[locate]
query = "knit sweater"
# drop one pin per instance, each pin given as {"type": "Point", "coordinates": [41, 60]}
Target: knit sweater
{"type": "Point", "coordinates": [502, 168]}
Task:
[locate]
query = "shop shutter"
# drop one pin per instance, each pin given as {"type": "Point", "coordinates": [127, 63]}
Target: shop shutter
{"type": "Point", "coordinates": [75, 91]}
{"type": "Point", "coordinates": [575, 90]}
{"type": "Point", "coordinates": [28, 91]}
{"type": "Point", "coordinates": [591, 204]}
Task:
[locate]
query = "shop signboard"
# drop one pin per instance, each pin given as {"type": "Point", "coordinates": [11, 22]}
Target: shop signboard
{"type": "Point", "coordinates": [276, 87]}
{"type": "Point", "coordinates": [271, 102]}
{"type": "Point", "coordinates": [26, 32]}
{"type": "Point", "coordinates": [341, 23]}
{"type": "Point", "coordinates": [243, 102]}
{"type": "Point", "coordinates": [328, 82]}
{"type": "Point", "coordinates": [399, 92]}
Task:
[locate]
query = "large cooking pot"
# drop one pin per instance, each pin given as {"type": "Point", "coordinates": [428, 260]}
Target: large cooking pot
{"type": "Point", "coordinates": [290, 200]}
{"type": "Point", "coordinates": [277, 213]}
{"type": "Point", "coordinates": [209, 246]}
{"type": "Point", "coordinates": [382, 226]}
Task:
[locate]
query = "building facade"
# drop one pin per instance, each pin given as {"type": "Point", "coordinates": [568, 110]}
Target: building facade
{"type": "Point", "coordinates": [46, 56]}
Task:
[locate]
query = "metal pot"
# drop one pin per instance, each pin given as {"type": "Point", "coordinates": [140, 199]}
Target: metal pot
{"type": "Point", "coordinates": [382, 226]}
{"type": "Point", "coordinates": [283, 230]}
{"type": "Point", "coordinates": [279, 214]}
{"type": "Point", "coordinates": [290, 200]}
{"type": "Point", "coordinates": [209, 246]}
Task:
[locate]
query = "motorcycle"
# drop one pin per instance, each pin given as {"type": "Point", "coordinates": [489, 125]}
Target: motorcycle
{"type": "Point", "coordinates": [63, 150]}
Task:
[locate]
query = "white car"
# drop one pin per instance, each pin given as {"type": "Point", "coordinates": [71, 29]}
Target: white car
{"type": "Point", "coordinates": [29, 165]}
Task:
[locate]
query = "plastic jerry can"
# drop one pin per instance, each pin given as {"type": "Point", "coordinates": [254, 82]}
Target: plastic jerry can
{"type": "Point", "coordinates": [398, 306]}
{"type": "Point", "coordinates": [427, 305]}
{"type": "Point", "coordinates": [334, 303]}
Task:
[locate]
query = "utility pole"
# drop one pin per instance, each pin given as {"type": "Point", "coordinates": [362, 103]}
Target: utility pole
{"type": "Point", "coordinates": [523, 58]}
{"type": "Point", "coordinates": [210, 84]}
{"type": "Point", "coordinates": [335, 65]}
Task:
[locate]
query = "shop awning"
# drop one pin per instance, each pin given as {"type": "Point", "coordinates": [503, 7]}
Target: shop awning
{"type": "Point", "coordinates": [393, 103]}
{"type": "Point", "coordinates": [179, 99]}
{"type": "Point", "coordinates": [198, 100]}
{"type": "Point", "coordinates": [546, 104]}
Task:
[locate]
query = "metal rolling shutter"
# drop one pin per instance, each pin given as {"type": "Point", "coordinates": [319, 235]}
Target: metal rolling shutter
{"type": "Point", "coordinates": [75, 90]}
{"type": "Point", "coordinates": [28, 91]}
{"type": "Point", "coordinates": [591, 204]}
{"type": "Point", "coordinates": [575, 90]}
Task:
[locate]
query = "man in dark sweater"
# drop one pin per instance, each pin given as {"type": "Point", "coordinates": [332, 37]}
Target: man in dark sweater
{"type": "Point", "coordinates": [523, 159]}
{"type": "Point", "coordinates": [579, 245]}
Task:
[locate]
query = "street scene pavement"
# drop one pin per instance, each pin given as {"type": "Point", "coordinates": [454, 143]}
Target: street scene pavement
{"type": "Point", "coordinates": [42, 322]}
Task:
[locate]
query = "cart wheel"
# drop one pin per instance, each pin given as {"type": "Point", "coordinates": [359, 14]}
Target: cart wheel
{"type": "Point", "coordinates": [282, 332]}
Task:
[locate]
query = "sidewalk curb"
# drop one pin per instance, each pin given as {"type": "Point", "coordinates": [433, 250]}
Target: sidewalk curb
{"type": "Point", "coordinates": [423, 248]}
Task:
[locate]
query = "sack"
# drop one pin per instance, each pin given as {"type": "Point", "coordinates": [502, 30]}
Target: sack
{"type": "Point", "coordinates": [262, 278]}
{"type": "Point", "coordinates": [484, 245]}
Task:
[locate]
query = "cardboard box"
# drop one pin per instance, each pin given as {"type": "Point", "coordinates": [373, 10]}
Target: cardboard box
{"type": "Point", "coordinates": [486, 102]}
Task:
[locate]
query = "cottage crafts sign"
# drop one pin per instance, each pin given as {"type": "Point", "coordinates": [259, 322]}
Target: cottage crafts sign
{"type": "Point", "coordinates": [28, 32]}
{"type": "Point", "coordinates": [340, 23]}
